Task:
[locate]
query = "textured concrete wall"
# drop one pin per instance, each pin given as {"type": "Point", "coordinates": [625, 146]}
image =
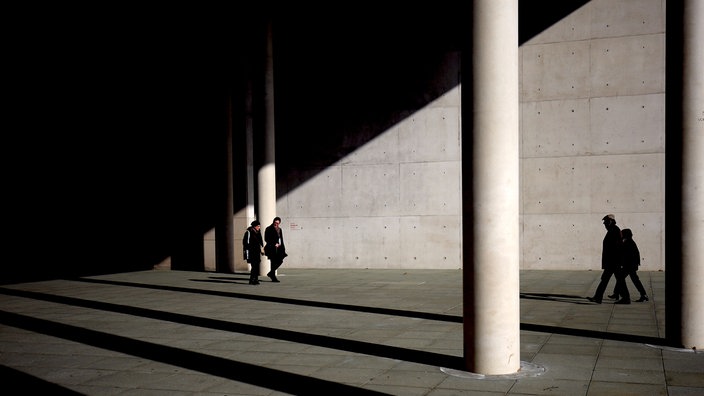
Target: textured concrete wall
{"type": "Point", "coordinates": [393, 203]}
{"type": "Point", "coordinates": [592, 143]}
{"type": "Point", "coordinates": [593, 134]}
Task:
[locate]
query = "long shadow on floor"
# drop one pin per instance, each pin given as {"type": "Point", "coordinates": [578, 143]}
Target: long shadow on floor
{"type": "Point", "coordinates": [217, 366]}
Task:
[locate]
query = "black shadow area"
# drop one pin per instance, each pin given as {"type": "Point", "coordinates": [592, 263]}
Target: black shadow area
{"type": "Point", "coordinates": [535, 16]}
{"type": "Point", "coordinates": [31, 385]}
{"type": "Point", "coordinates": [556, 297]}
{"type": "Point", "coordinates": [594, 334]}
{"type": "Point", "coordinates": [428, 358]}
{"type": "Point", "coordinates": [221, 367]}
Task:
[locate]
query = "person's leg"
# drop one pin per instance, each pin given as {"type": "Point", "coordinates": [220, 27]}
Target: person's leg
{"type": "Point", "coordinates": [639, 285]}
{"type": "Point", "coordinates": [254, 273]}
{"type": "Point", "coordinates": [622, 288]}
{"type": "Point", "coordinates": [599, 294]}
{"type": "Point", "coordinates": [275, 264]}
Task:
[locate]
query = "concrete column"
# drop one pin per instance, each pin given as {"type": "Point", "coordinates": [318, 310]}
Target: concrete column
{"type": "Point", "coordinates": [491, 263]}
{"type": "Point", "coordinates": [267, 173]}
{"type": "Point", "coordinates": [693, 175]}
{"type": "Point", "coordinates": [249, 147]}
{"type": "Point", "coordinates": [225, 230]}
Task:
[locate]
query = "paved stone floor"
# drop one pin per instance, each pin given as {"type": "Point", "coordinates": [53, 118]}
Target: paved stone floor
{"type": "Point", "coordinates": [327, 332]}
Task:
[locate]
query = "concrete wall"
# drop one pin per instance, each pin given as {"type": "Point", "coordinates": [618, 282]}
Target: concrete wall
{"type": "Point", "coordinates": [393, 203]}
{"type": "Point", "coordinates": [592, 136]}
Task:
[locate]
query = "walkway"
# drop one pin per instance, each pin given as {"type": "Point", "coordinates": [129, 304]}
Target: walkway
{"type": "Point", "coordinates": [328, 332]}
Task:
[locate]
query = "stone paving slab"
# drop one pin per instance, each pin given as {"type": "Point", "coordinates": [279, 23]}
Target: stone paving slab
{"type": "Point", "coordinates": [321, 331]}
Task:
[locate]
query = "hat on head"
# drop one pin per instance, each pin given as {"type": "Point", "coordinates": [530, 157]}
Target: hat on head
{"type": "Point", "coordinates": [609, 216]}
{"type": "Point", "coordinates": [255, 223]}
{"type": "Point", "coordinates": [627, 233]}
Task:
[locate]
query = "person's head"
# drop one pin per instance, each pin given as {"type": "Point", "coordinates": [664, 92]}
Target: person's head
{"type": "Point", "coordinates": [608, 220]}
{"type": "Point", "coordinates": [256, 225]}
{"type": "Point", "coordinates": [626, 233]}
{"type": "Point", "coordinates": [277, 221]}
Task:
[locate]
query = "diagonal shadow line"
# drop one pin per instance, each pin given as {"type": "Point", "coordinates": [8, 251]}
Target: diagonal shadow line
{"type": "Point", "coordinates": [319, 304]}
{"type": "Point", "coordinates": [595, 334]}
{"type": "Point", "coordinates": [556, 297]}
{"type": "Point", "coordinates": [213, 365]}
{"type": "Point", "coordinates": [385, 351]}
{"type": "Point", "coordinates": [31, 385]}
{"type": "Point", "coordinates": [394, 312]}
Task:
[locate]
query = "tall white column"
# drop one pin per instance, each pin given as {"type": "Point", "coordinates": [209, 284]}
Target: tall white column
{"type": "Point", "coordinates": [693, 175]}
{"type": "Point", "coordinates": [267, 173]}
{"type": "Point", "coordinates": [491, 265]}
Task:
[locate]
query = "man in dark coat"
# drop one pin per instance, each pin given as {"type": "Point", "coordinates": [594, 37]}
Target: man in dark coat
{"type": "Point", "coordinates": [611, 263]}
{"type": "Point", "coordinates": [253, 249]}
{"type": "Point", "coordinates": [274, 249]}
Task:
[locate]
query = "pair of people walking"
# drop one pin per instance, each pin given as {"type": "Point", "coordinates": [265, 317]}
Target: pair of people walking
{"type": "Point", "coordinates": [620, 258]}
{"type": "Point", "coordinates": [272, 245]}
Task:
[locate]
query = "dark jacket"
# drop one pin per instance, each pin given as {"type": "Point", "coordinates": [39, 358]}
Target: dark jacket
{"type": "Point", "coordinates": [252, 245]}
{"type": "Point", "coordinates": [631, 255]}
{"type": "Point", "coordinates": [611, 250]}
{"type": "Point", "coordinates": [271, 237]}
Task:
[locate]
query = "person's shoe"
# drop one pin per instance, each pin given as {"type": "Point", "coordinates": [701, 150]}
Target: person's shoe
{"type": "Point", "coordinates": [614, 296]}
{"type": "Point", "coordinates": [254, 282]}
{"type": "Point", "coordinates": [273, 277]}
{"type": "Point", "coordinates": [642, 298]}
{"type": "Point", "coordinates": [594, 300]}
{"type": "Point", "coordinates": [623, 301]}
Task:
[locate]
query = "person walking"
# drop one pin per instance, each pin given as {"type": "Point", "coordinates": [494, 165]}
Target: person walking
{"type": "Point", "coordinates": [253, 248]}
{"type": "Point", "coordinates": [275, 249]}
{"type": "Point", "coordinates": [631, 262]}
{"type": "Point", "coordinates": [611, 262]}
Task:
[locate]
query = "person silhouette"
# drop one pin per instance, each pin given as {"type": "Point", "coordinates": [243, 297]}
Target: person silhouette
{"type": "Point", "coordinates": [611, 263]}
{"type": "Point", "coordinates": [275, 249]}
{"type": "Point", "coordinates": [253, 249]}
{"type": "Point", "coordinates": [631, 262]}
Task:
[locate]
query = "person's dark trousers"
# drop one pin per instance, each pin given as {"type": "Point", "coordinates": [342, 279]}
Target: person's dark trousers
{"type": "Point", "coordinates": [254, 273]}
{"type": "Point", "coordinates": [605, 277]}
{"type": "Point", "coordinates": [638, 284]}
{"type": "Point", "coordinates": [621, 288]}
{"type": "Point", "coordinates": [275, 264]}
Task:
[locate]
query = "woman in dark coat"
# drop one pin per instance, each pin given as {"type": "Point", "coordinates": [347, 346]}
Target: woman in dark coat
{"type": "Point", "coordinates": [631, 262]}
{"type": "Point", "coordinates": [253, 250]}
